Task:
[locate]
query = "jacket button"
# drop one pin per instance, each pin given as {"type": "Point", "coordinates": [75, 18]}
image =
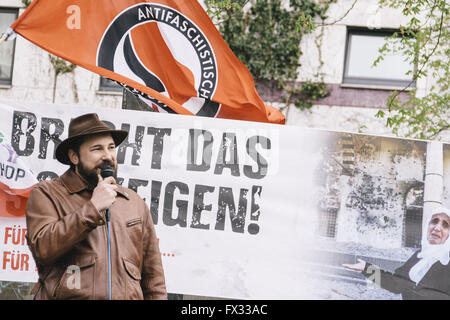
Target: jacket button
{"type": "Point", "coordinates": [101, 222]}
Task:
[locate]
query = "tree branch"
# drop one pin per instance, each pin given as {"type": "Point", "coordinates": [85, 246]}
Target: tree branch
{"type": "Point", "coordinates": [341, 18]}
{"type": "Point", "coordinates": [416, 75]}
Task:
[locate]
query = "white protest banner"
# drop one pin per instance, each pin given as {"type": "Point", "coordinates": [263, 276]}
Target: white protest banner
{"type": "Point", "coordinates": [16, 182]}
{"type": "Point", "coordinates": [248, 210]}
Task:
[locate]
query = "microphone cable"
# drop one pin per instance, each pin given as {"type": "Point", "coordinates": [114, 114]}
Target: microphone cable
{"type": "Point", "coordinates": [108, 228]}
{"type": "Point", "coordinates": [108, 172]}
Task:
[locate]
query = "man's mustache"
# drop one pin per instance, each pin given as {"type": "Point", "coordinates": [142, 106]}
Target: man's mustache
{"type": "Point", "coordinates": [106, 163]}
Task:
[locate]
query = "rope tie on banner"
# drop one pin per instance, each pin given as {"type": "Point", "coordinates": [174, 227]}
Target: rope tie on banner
{"type": "Point", "coordinates": [8, 35]}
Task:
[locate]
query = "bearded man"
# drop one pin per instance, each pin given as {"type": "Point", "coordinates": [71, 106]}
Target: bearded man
{"type": "Point", "coordinates": [82, 252]}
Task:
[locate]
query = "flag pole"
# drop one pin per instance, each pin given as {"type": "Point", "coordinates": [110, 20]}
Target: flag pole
{"type": "Point", "coordinates": [3, 38]}
{"type": "Point", "coordinates": [8, 33]}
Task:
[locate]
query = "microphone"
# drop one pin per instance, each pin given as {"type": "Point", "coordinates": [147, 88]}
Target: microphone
{"type": "Point", "coordinates": [106, 172]}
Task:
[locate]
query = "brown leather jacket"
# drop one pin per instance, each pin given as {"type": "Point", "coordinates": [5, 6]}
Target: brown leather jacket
{"type": "Point", "coordinates": [68, 239]}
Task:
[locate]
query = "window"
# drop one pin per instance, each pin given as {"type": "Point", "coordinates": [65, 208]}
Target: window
{"type": "Point", "coordinates": [362, 51]}
{"type": "Point", "coordinates": [7, 17]}
{"type": "Point", "coordinates": [412, 220]}
{"type": "Point", "coordinates": [327, 223]}
{"type": "Point", "coordinates": [109, 85]}
{"type": "Point", "coordinates": [413, 228]}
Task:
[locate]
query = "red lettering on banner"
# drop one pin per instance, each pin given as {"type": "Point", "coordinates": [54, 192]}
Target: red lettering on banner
{"type": "Point", "coordinates": [24, 262]}
{"type": "Point", "coordinates": [16, 261]}
{"type": "Point", "coordinates": [6, 259]}
{"type": "Point", "coordinates": [8, 234]}
{"type": "Point", "coordinates": [17, 235]}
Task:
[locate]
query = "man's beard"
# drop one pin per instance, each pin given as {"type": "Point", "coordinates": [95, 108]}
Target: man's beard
{"type": "Point", "coordinates": [90, 175]}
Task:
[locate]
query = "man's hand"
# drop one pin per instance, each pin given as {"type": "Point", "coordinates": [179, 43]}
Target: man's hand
{"type": "Point", "coordinates": [104, 193]}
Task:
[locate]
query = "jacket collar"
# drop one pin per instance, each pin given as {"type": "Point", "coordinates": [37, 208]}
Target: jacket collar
{"type": "Point", "coordinates": [74, 184]}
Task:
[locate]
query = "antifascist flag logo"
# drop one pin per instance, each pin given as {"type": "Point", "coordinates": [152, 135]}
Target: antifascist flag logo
{"type": "Point", "coordinates": [174, 37]}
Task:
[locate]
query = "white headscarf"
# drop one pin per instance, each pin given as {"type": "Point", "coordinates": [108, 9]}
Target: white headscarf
{"type": "Point", "coordinates": [430, 253]}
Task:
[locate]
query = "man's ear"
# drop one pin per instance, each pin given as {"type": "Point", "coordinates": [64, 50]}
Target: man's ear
{"type": "Point", "coordinates": [73, 157]}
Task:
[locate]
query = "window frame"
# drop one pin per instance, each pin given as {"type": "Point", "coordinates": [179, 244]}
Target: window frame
{"type": "Point", "coordinates": [370, 82]}
{"type": "Point", "coordinates": [9, 80]}
{"type": "Point", "coordinates": [103, 88]}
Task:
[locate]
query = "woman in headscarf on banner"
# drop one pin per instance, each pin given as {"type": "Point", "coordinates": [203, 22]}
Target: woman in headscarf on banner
{"type": "Point", "coordinates": [426, 274]}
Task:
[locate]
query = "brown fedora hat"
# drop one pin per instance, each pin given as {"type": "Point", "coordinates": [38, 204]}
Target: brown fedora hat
{"type": "Point", "coordinates": [87, 124]}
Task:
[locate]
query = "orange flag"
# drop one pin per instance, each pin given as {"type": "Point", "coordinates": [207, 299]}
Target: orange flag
{"type": "Point", "coordinates": [167, 52]}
